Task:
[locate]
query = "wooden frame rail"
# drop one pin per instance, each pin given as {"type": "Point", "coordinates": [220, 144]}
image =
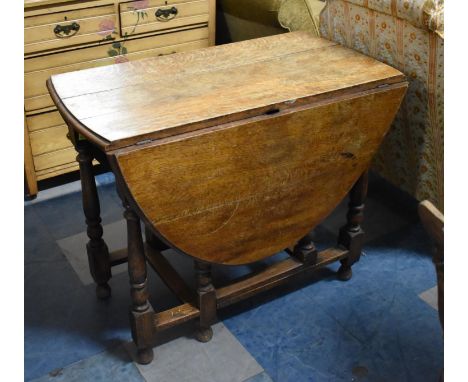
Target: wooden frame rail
{"type": "Point", "coordinates": [247, 286]}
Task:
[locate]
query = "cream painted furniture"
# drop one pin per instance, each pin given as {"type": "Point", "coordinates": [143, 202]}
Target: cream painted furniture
{"type": "Point", "coordinates": [62, 36]}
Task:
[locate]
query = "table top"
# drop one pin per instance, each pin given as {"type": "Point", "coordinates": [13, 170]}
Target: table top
{"type": "Point", "coordinates": [126, 104]}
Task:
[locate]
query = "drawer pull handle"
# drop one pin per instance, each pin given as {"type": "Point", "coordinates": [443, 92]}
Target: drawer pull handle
{"type": "Point", "coordinates": [166, 14]}
{"type": "Point", "coordinates": [66, 31]}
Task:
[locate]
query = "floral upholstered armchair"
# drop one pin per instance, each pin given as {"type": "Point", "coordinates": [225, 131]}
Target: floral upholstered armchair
{"type": "Point", "coordinates": [409, 35]}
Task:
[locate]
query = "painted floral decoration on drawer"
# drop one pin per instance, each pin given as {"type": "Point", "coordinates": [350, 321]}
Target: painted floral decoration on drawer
{"type": "Point", "coordinates": [107, 30]}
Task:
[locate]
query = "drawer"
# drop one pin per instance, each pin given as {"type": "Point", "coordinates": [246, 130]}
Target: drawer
{"type": "Point", "coordinates": [44, 121]}
{"type": "Point", "coordinates": [155, 15]}
{"type": "Point", "coordinates": [35, 91]}
{"type": "Point", "coordinates": [62, 29]}
{"type": "Point", "coordinates": [58, 170]}
{"type": "Point", "coordinates": [52, 16]}
{"type": "Point", "coordinates": [48, 140]}
{"type": "Point", "coordinates": [54, 159]}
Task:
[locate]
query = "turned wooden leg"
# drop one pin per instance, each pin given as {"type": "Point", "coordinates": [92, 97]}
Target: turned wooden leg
{"type": "Point", "coordinates": [206, 301]}
{"type": "Point", "coordinates": [141, 312]}
{"type": "Point", "coordinates": [98, 253]}
{"type": "Point", "coordinates": [305, 250]}
{"type": "Point", "coordinates": [351, 235]}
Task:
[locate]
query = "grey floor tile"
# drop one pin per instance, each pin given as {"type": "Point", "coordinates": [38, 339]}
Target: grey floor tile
{"type": "Point", "coordinates": [113, 365]}
{"type": "Point", "coordinates": [430, 296]}
{"type": "Point", "coordinates": [262, 377]}
{"type": "Point", "coordinates": [74, 249]}
{"type": "Point", "coordinates": [184, 359]}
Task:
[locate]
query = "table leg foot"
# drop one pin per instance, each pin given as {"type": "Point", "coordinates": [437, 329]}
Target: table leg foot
{"type": "Point", "coordinates": [345, 273]}
{"type": "Point", "coordinates": [305, 250]}
{"type": "Point", "coordinates": [206, 301]}
{"type": "Point", "coordinates": [145, 356]}
{"type": "Point", "coordinates": [203, 334]}
{"type": "Point", "coordinates": [103, 291]}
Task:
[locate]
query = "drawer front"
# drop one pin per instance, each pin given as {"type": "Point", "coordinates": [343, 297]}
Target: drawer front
{"type": "Point", "coordinates": [36, 94]}
{"type": "Point", "coordinates": [48, 140]}
{"type": "Point", "coordinates": [47, 133]}
{"type": "Point", "coordinates": [54, 159]}
{"type": "Point", "coordinates": [159, 15]}
{"type": "Point", "coordinates": [44, 121]}
{"type": "Point", "coordinates": [58, 170]}
{"type": "Point", "coordinates": [64, 29]}
{"type": "Point", "coordinates": [52, 16]}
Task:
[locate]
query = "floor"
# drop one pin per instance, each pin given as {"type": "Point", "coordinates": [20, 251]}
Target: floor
{"type": "Point", "coordinates": [382, 325]}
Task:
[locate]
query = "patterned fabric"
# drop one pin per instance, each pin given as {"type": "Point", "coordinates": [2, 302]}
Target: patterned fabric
{"type": "Point", "coordinates": [424, 14]}
{"type": "Point", "coordinates": [407, 36]}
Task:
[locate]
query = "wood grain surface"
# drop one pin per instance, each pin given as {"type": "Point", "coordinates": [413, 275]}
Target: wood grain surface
{"type": "Point", "coordinates": [240, 192]}
{"type": "Point", "coordinates": [154, 98]}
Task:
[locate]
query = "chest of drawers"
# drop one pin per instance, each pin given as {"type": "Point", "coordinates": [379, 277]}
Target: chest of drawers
{"type": "Point", "coordinates": [62, 36]}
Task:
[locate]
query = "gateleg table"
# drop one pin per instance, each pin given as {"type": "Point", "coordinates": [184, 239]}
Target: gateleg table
{"type": "Point", "coordinates": [229, 155]}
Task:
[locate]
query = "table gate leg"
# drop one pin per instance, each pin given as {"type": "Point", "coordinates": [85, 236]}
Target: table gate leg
{"type": "Point", "coordinates": [141, 312]}
{"type": "Point", "coordinates": [206, 301]}
{"type": "Point", "coordinates": [351, 235]}
{"type": "Point", "coordinates": [98, 253]}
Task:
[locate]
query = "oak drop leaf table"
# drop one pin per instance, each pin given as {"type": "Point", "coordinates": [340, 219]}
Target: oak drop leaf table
{"type": "Point", "coordinates": [228, 154]}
